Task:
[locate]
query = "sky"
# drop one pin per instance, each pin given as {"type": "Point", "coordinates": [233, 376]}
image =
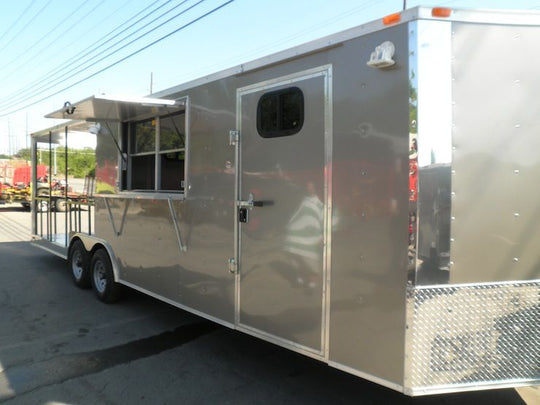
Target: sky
{"type": "Point", "coordinates": [53, 51]}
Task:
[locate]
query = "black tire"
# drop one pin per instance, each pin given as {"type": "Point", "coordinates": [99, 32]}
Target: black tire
{"type": "Point", "coordinates": [43, 206]}
{"type": "Point", "coordinates": [102, 277]}
{"type": "Point", "coordinates": [79, 264]}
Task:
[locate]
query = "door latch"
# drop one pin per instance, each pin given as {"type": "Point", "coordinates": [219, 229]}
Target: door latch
{"type": "Point", "coordinates": [244, 206]}
{"type": "Point", "coordinates": [243, 214]}
{"type": "Point", "coordinates": [234, 137]}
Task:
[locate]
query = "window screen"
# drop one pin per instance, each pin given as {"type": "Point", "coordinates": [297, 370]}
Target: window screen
{"type": "Point", "coordinates": [280, 113]}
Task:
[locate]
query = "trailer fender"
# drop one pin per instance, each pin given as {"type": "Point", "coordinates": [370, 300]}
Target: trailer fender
{"type": "Point", "coordinates": [92, 243]}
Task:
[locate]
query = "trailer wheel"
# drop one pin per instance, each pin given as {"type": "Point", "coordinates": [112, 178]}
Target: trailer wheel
{"type": "Point", "coordinates": [78, 261]}
{"type": "Point", "coordinates": [60, 205]}
{"type": "Point", "coordinates": [42, 206]}
{"type": "Point", "coordinates": [106, 289]}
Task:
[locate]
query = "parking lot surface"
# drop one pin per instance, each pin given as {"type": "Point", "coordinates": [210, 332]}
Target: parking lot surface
{"type": "Point", "coordinates": [60, 345]}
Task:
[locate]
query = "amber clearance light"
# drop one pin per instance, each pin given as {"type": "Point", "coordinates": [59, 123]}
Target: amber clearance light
{"type": "Point", "coordinates": [441, 12]}
{"type": "Point", "coordinates": [392, 19]}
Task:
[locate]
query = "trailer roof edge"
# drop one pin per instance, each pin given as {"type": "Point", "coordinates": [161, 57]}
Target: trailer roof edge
{"type": "Point", "coordinates": [510, 17]}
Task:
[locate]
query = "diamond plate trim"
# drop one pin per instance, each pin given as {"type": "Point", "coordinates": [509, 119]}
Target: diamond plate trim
{"type": "Point", "coordinates": [460, 336]}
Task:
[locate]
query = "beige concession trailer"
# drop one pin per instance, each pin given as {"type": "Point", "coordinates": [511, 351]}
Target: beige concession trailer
{"type": "Point", "coordinates": [368, 199]}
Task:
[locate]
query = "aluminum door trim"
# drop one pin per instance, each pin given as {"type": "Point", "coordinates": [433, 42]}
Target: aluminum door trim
{"type": "Point", "coordinates": [327, 252]}
{"type": "Point", "coordinates": [324, 71]}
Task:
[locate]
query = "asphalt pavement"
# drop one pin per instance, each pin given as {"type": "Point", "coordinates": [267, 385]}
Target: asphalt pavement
{"type": "Point", "coordinates": [60, 345]}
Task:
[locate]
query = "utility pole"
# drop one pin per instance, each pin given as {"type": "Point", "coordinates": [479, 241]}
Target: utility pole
{"type": "Point", "coordinates": [26, 130]}
{"type": "Point", "coordinates": [10, 152]}
{"type": "Point", "coordinates": [404, 4]}
{"type": "Point", "coordinates": [27, 137]}
{"type": "Point", "coordinates": [151, 82]}
{"type": "Point", "coordinates": [55, 166]}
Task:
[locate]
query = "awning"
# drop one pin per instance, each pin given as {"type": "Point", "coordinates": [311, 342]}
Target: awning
{"type": "Point", "coordinates": [111, 108]}
{"type": "Point", "coordinates": [56, 134]}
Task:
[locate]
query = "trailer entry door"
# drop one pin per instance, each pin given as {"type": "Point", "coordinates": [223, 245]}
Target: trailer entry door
{"type": "Point", "coordinates": [282, 209]}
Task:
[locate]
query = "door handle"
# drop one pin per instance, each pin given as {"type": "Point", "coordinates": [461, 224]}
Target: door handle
{"type": "Point", "coordinates": [249, 203]}
{"type": "Point", "coordinates": [244, 206]}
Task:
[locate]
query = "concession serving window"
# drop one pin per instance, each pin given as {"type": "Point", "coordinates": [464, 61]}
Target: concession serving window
{"type": "Point", "coordinates": [150, 138]}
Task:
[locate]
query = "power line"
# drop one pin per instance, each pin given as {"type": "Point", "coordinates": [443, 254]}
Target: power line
{"type": "Point", "coordinates": [47, 47]}
{"type": "Point", "coordinates": [48, 85]}
{"type": "Point", "coordinates": [63, 66]}
{"type": "Point", "coordinates": [249, 54]}
{"type": "Point", "coordinates": [47, 77]}
{"type": "Point", "coordinates": [17, 19]}
{"type": "Point", "coordinates": [89, 60]}
{"type": "Point", "coordinates": [26, 25]}
{"type": "Point", "coordinates": [3, 114]}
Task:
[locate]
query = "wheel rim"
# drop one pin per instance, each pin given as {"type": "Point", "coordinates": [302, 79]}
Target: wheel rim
{"type": "Point", "coordinates": [100, 280]}
{"type": "Point", "coordinates": [76, 264]}
{"type": "Point", "coordinates": [61, 205]}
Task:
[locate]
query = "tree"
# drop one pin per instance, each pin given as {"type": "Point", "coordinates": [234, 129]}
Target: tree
{"type": "Point", "coordinates": [24, 154]}
{"type": "Point", "coordinates": [81, 162]}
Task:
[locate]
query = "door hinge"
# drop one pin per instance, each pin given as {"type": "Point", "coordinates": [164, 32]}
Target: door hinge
{"type": "Point", "coordinates": [234, 137]}
{"type": "Point", "coordinates": [233, 267]}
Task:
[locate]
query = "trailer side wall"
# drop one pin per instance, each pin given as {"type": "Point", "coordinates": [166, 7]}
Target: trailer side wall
{"type": "Point", "coordinates": [364, 325]}
{"type": "Point", "coordinates": [370, 197]}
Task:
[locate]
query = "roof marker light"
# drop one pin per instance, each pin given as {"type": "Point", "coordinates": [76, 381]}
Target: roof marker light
{"type": "Point", "coordinates": [441, 12]}
{"type": "Point", "coordinates": [392, 19]}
